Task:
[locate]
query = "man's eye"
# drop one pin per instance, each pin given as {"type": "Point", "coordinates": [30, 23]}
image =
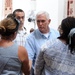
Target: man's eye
{"type": "Point", "coordinates": [20, 17]}
{"type": "Point", "coordinates": [41, 21]}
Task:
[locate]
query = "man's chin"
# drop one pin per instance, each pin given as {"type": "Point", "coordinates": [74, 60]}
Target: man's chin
{"type": "Point", "coordinates": [41, 31]}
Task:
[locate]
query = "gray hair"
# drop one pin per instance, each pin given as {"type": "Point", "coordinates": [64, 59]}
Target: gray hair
{"type": "Point", "coordinates": [72, 32]}
{"type": "Point", "coordinates": [43, 12]}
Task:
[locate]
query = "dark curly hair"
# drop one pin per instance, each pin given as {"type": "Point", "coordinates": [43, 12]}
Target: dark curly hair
{"type": "Point", "coordinates": [66, 25]}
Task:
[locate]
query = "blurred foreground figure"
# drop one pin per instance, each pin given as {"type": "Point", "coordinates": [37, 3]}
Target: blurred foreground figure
{"type": "Point", "coordinates": [13, 58]}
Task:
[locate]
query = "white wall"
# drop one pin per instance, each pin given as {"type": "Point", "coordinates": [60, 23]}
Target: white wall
{"type": "Point", "coordinates": [54, 7]}
{"type": "Point", "coordinates": [62, 10]}
{"type": "Point", "coordinates": [1, 9]}
{"type": "Point", "coordinates": [51, 6]}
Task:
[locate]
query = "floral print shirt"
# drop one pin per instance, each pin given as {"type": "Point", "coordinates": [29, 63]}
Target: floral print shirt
{"type": "Point", "coordinates": [55, 59]}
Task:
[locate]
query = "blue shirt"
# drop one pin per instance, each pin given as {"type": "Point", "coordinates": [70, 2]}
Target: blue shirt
{"type": "Point", "coordinates": [35, 40]}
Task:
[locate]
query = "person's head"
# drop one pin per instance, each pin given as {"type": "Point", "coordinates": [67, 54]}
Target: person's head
{"type": "Point", "coordinates": [8, 28]}
{"type": "Point", "coordinates": [20, 15]}
{"type": "Point", "coordinates": [68, 31]}
{"type": "Point", "coordinates": [43, 20]}
{"type": "Point", "coordinates": [31, 30]}
{"type": "Point", "coordinates": [10, 15]}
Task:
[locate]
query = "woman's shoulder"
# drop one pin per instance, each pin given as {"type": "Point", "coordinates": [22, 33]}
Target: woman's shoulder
{"type": "Point", "coordinates": [48, 44]}
{"type": "Point", "coordinates": [22, 53]}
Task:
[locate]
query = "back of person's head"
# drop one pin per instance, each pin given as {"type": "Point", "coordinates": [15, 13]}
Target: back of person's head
{"type": "Point", "coordinates": [66, 25]}
{"type": "Point", "coordinates": [17, 10]}
{"type": "Point", "coordinates": [31, 30]}
{"type": "Point", "coordinates": [10, 15]}
{"type": "Point", "coordinates": [8, 27]}
{"type": "Point", "coordinates": [68, 31]}
{"type": "Point", "coordinates": [43, 13]}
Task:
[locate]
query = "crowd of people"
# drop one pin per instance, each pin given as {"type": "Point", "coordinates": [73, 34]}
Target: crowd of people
{"type": "Point", "coordinates": [44, 51]}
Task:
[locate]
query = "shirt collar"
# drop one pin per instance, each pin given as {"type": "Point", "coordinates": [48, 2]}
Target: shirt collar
{"type": "Point", "coordinates": [43, 34]}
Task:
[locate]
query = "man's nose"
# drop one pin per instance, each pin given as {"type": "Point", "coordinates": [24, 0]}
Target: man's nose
{"type": "Point", "coordinates": [40, 23]}
{"type": "Point", "coordinates": [21, 19]}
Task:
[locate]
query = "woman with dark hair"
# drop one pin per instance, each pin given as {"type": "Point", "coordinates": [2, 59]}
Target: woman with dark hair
{"type": "Point", "coordinates": [57, 57]}
{"type": "Point", "coordinates": [13, 58]}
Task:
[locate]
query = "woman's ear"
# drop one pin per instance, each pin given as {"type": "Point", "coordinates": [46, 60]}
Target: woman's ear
{"type": "Point", "coordinates": [61, 31]}
{"type": "Point", "coordinates": [15, 34]}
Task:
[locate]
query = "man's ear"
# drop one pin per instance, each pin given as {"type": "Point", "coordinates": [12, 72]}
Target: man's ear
{"type": "Point", "coordinates": [49, 20]}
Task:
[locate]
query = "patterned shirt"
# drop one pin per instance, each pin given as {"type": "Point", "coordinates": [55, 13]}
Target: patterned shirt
{"type": "Point", "coordinates": [21, 37]}
{"type": "Point", "coordinates": [55, 59]}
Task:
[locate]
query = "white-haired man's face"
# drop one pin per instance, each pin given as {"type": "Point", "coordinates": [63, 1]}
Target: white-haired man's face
{"type": "Point", "coordinates": [43, 23]}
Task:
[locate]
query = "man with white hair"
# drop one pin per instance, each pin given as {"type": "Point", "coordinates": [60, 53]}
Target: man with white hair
{"type": "Point", "coordinates": [37, 38]}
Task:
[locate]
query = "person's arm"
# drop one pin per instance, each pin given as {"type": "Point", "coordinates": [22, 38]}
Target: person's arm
{"type": "Point", "coordinates": [39, 64]}
{"type": "Point", "coordinates": [30, 47]}
{"type": "Point", "coordinates": [24, 59]}
{"type": "Point", "coordinates": [30, 64]}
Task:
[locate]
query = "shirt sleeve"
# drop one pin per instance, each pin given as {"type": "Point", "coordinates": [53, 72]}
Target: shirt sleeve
{"type": "Point", "coordinates": [39, 64]}
{"type": "Point", "coordinates": [29, 45]}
